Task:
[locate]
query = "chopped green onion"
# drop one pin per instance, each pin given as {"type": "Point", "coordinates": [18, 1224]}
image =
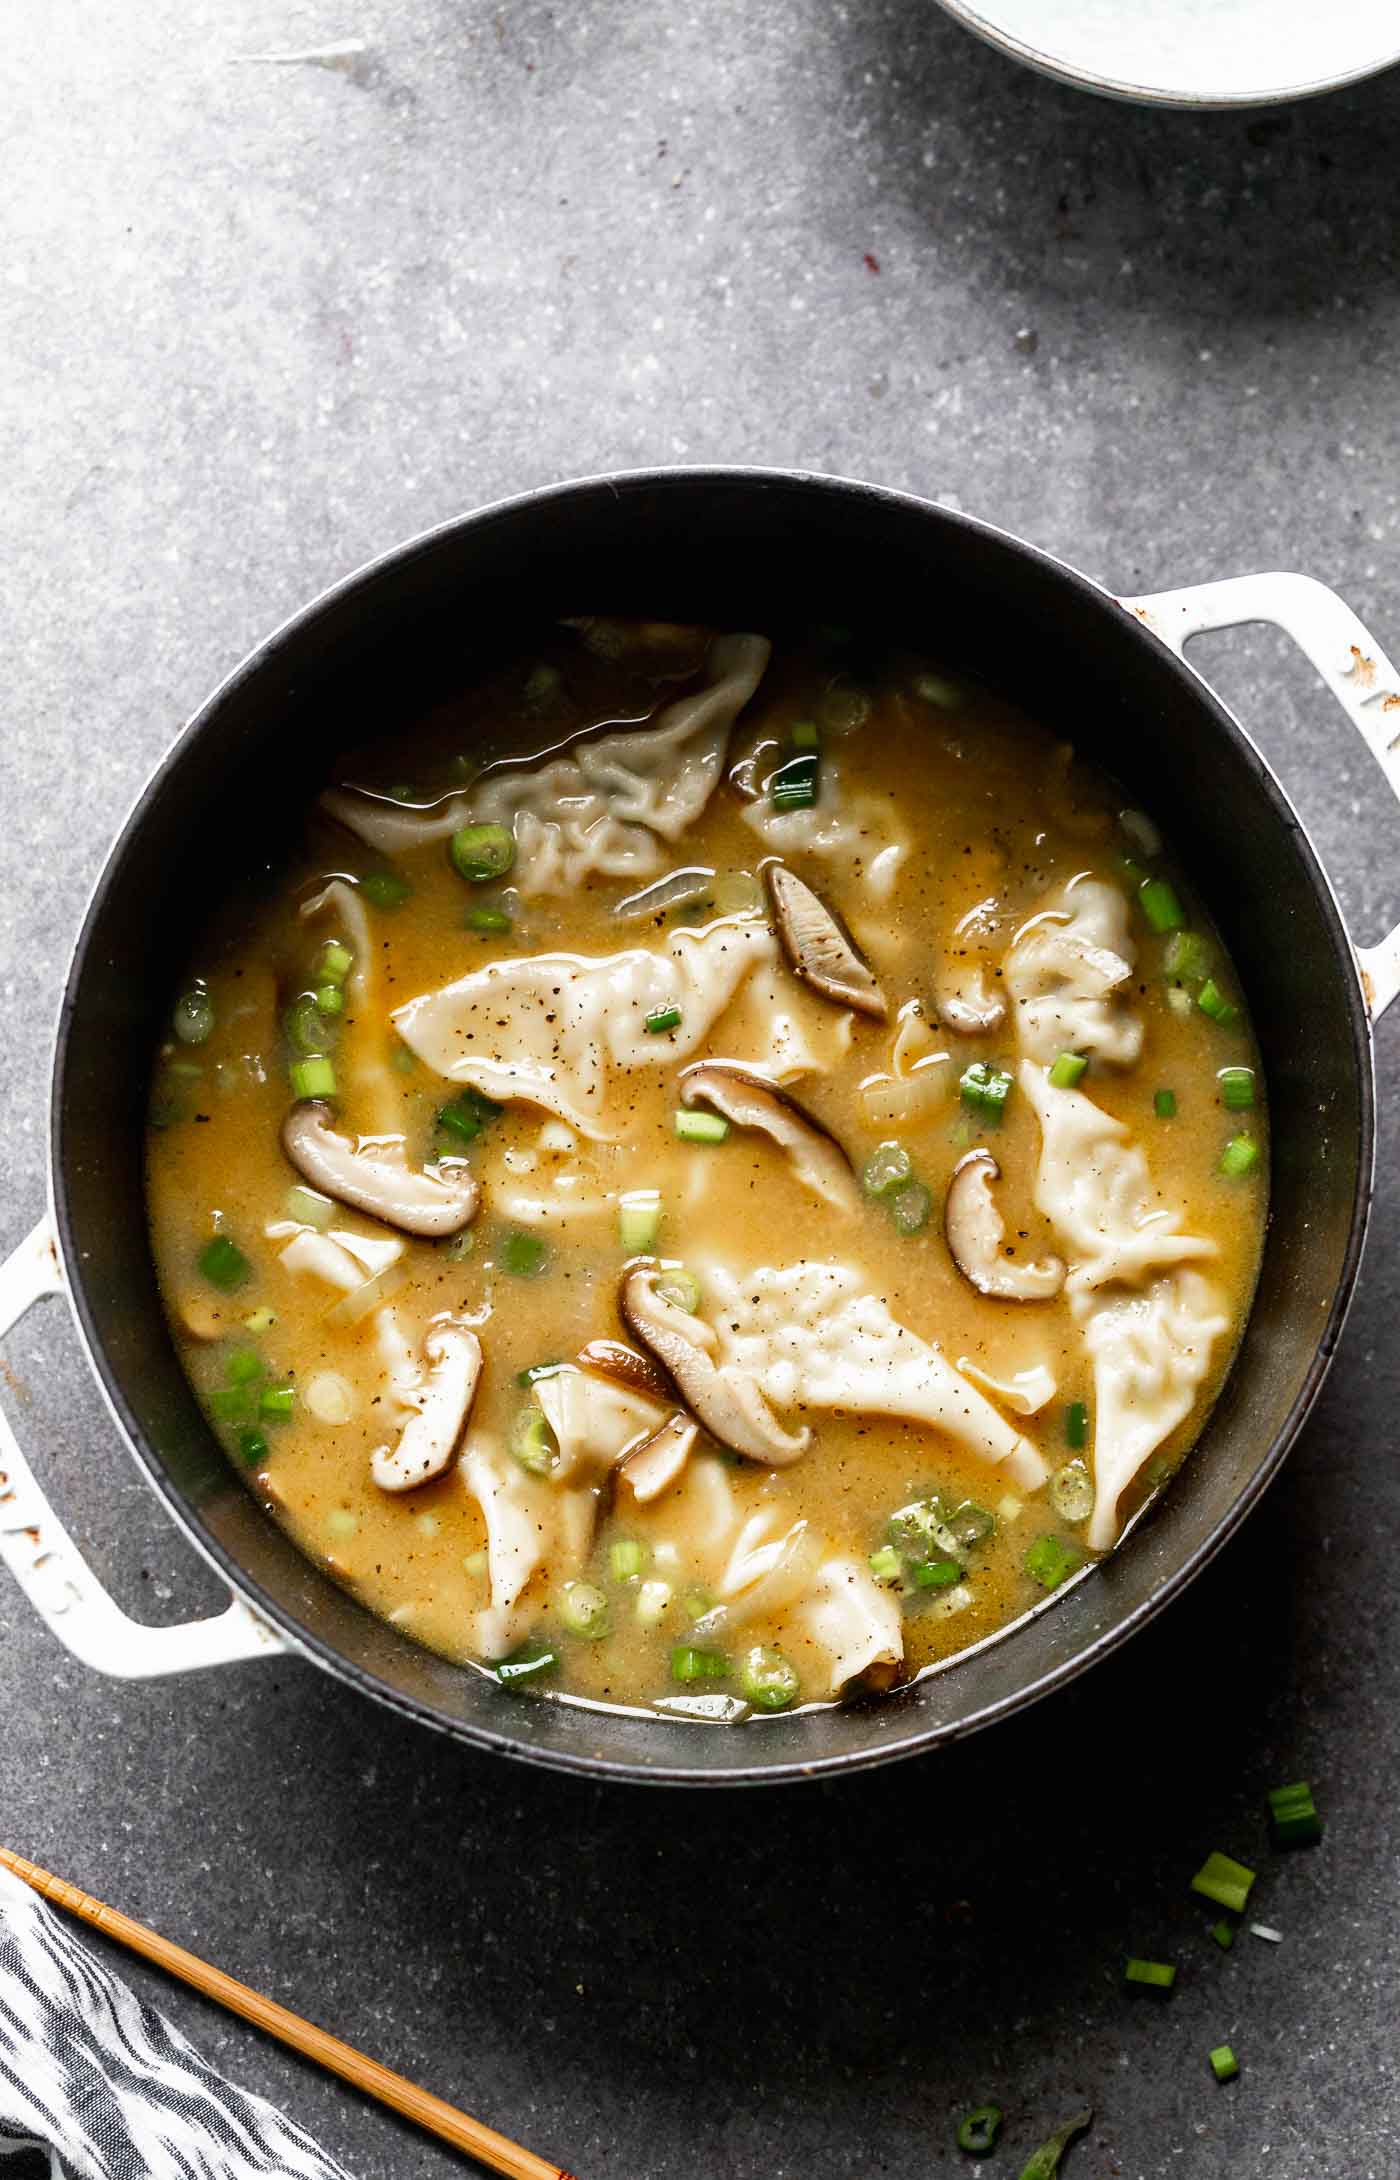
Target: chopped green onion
{"type": "Point", "coordinates": [639, 1221]}
{"type": "Point", "coordinates": [1223, 1934]}
{"type": "Point", "coordinates": [653, 1599]}
{"type": "Point", "coordinates": [985, 1088]}
{"type": "Point", "coordinates": [627, 1559]}
{"type": "Point", "coordinates": [523, 1255]}
{"type": "Point", "coordinates": [334, 963]}
{"type": "Point", "coordinates": [488, 920]}
{"type": "Point", "coordinates": [1223, 2063]}
{"type": "Point", "coordinates": [1160, 905]}
{"type": "Point", "coordinates": [309, 1208]}
{"type": "Point", "coordinates": [1137, 873]}
{"type": "Point", "coordinates": [459, 1246]}
{"type": "Point", "coordinates": [308, 1031]}
{"type": "Point", "coordinates": [277, 1400]}
{"type": "Point", "coordinates": [243, 1366]}
{"type": "Point", "coordinates": [1077, 1425]}
{"type": "Point", "coordinates": [806, 734]}
{"type": "Point", "coordinates": [681, 1287]}
{"type": "Point", "coordinates": [532, 1442]}
{"type": "Point", "coordinates": [529, 1663]}
{"type": "Point", "coordinates": [886, 1564]}
{"type": "Point", "coordinates": [936, 1574]}
{"type": "Point", "coordinates": [462, 1119]}
{"type": "Point", "coordinates": [698, 1602]}
{"type": "Point", "coordinates": [402, 1060]}
{"type": "Point", "coordinates": [584, 1611]}
{"type": "Point", "coordinates": [1050, 1561]}
{"type": "Point", "coordinates": [767, 1679]}
{"type": "Point", "coordinates": [911, 1208]}
{"type": "Point", "coordinates": [1072, 1492]}
{"type": "Point", "coordinates": [978, 2130]}
{"type": "Point", "coordinates": [1067, 1070]}
{"type": "Point", "coordinates": [700, 1127]}
{"type": "Point", "coordinates": [970, 1523]}
{"type": "Point", "coordinates": [1225, 1881]}
{"type": "Point", "coordinates": [690, 1663]}
{"type": "Point", "coordinates": [1187, 956]}
{"type": "Point", "coordinates": [1044, 2163]}
{"type": "Point", "coordinates": [935, 690]}
{"type": "Point", "coordinates": [534, 1371]}
{"type": "Point", "coordinates": [193, 1017]}
{"type": "Point", "coordinates": [223, 1263]}
{"type": "Point", "coordinates": [232, 1403]}
{"type": "Point", "coordinates": [1154, 1975]}
{"type": "Point", "coordinates": [330, 999]}
{"type": "Point", "coordinates": [482, 852]}
{"type": "Point", "coordinates": [794, 785]}
{"type": "Point", "coordinates": [1236, 1088]}
{"type": "Point", "coordinates": [477, 1565]}
{"type": "Point", "coordinates": [260, 1320]}
{"type": "Point", "coordinates": [252, 1447]}
{"type": "Point", "coordinates": [663, 1019]}
{"type": "Point", "coordinates": [1240, 1156]}
{"type": "Point", "coordinates": [312, 1078]}
{"type": "Point", "coordinates": [888, 1165]}
{"type": "Point", "coordinates": [385, 889]}
{"type": "Point", "coordinates": [1293, 1815]}
{"type": "Point", "coordinates": [1164, 1104]}
{"type": "Point", "coordinates": [1212, 1001]}
{"type": "Point", "coordinates": [843, 707]}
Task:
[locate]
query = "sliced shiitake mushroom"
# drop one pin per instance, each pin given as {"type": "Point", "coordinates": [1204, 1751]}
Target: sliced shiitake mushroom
{"type": "Point", "coordinates": [728, 1403]}
{"type": "Point", "coordinates": [436, 1201]}
{"type": "Point", "coordinates": [975, 1232]}
{"type": "Point", "coordinates": [972, 1008]}
{"type": "Point", "coordinates": [428, 1439]}
{"type": "Point", "coordinates": [751, 1101]}
{"type": "Point", "coordinates": [611, 1359]}
{"type": "Point", "coordinates": [819, 947]}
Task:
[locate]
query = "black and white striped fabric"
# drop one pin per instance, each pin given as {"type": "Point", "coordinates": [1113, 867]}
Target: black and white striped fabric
{"type": "Point", "coordinates": [105, 2087]}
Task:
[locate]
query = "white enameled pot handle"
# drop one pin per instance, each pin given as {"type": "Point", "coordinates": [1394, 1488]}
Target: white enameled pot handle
{"type": "Point", "coordinates": [1350, 661]}
{"type": "Point", "coordinates": [51, 1570]}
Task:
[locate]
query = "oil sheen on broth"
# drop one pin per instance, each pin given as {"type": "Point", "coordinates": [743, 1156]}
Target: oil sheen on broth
{"type": "Point", "coordinates": [719, 1176]}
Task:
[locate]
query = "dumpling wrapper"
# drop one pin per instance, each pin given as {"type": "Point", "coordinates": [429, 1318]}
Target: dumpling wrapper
{"type": "Point", "coordinates": [604, 806]}
{"type": "Point", "coordinates": [595, 1420]}
{"type": "Point", "coordinates": [861, 836]}
{"type": "Point", "coordinates": [1151, 1353]}
{"type": "Point", "coordinates": [810, 1336]}
{"type": "Point", "coordinates": [531, 1525]}
{"type": "Point", "coordinates": [852, 1620]}
{"type": "Point", "coordinates": [1064, 972]}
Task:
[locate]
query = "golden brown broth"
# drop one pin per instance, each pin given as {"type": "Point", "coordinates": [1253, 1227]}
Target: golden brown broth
{"type": "Point", "coordinates": [994, 817]}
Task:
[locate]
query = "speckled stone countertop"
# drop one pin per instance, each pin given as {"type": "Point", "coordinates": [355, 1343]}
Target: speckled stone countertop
{"type": "Point", "coordinates": [261, 318]}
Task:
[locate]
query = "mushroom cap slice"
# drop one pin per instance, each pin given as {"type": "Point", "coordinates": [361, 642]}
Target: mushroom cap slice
{"type": "Point", "coordinates": [974, 1230]}
{"type": "Point", "coordinates": [970, 1009]}
{"type": "Point", "coordinates": [728, 1403]}
{"type": "Point", "coordinates": [819, 947]}
{"type": "Point", "coordinates": [440, 1407]}
{"type": "Point", "coordinates": [439, 1200]}
{"type": "Point", "coordinates": [611, 1359]}
{"type": "Point", "coordinates": [751, 1101]}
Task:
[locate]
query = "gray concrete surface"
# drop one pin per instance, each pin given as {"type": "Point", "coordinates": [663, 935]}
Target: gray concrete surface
{"type": "Point", "coordinates": [257, 321]}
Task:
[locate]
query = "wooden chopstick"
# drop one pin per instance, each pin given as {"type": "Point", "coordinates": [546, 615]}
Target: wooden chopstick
{"type": "Point", "coordinates": [443, 2120]}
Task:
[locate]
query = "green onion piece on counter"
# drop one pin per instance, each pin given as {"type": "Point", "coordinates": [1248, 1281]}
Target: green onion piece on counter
{"type": "Point", "coordinates": [330, 999]}
{"type": "Point", "coordinates": [639, 1221]}
{"type": "Point", "coordinates": [1050, 1561]}
{"type": "Point", "coordinates": [1240, 1156]}
{"type": "Point", "coordinates": [223, 1263]}
{"type": "Point", "coordinates": [887, 1167]}
{"type": "Point", "coordinates": [385, 889]}
{"type": "Point", "coordinates": [1236, 1088]}
{"type": "Point", "coordinates": [1044, 2163]}
{"type": "Point", "coordinates": [1293, 1816]}
{"type": "Point", "coordinates": [534, 1371]}
{"type": "Point", "coordinates": [312, 1078]}
{"type": "Point", "coordinates": [523, 1255]}
{"type": "Point", "coordinates": [529, 1663]}
{"type": "Point", "coordinates": [193, 1017]}
{"type": "Point", "coordinates": [910, 1208]}
{"type": "Point", "coordinates": [1226, 1882]}
{"type": "Point", "coordinates": [664, 1018]}
{"type": "Point", "coordinates": [1072, 1492]}
{"type": "Point", "coordinates": [277, 1400]}
{"type": "Point", "coordinates": [678, 1285]}
{"type": "Point", "coordinates": [482, 852]}
{"type": "Point", "coordinates": [490, 920]}
{"type": "Point", "coordinates": [700, 1127]}
{"type": "Point", "coordinates": [334, 962]}
{"type": "Point", "coordinates": [936, 1574]}
{"type": "Point", "coordinates": [532, 1442]}
{"type": "Point", "coordinates": [1223, 1934]}
{"type": "Point", "coordinates": [1187, 956]}
{"type": "Point", "coordinates": [1223, 2063]}
{"type": "Point", "coordinates": [1164, 1104]}
{"type": "Point", "coordinates": [768, 1679]}
{"type": "Point", "coordinates": [794, 785]}
{"type": "Point", "coordinates": [1152, 1975]}
{"type": "Point", "coordinates": [1077, 1425]}
{"type": "Point", "coordinates": [252, 1447]}
{"type": "Point", "coordinates": [309, 1207]}
{"type": "Point", "coordinates": [1067, 1069]}
{"type": "Point", "coordinates": [1160, 905]}
{"type": "Point", "coordinates": [1212, 1001]}
{"type": "Point", "coordinates": [627, 1559]}
{"type": "Point", "coordinates": [243, 1366]}
{"type": "Point", "coordinates": [886, 1564]}
{"type": "Point", "coordinates": [308, 1031]}
{"type": "Point", "coordinates": [978, 2130]}
{"type": "Point", "coordinates": [806, 734]}
{"type": "Point", "coordinates": [985, 1089]}
{"type": "Point", "coordinates": [690, 1663]}
{"type": "Point", "coordinates": [583, 1610]}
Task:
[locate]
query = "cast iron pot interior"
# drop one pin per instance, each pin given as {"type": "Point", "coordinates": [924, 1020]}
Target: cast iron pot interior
{"type": "Point", "coordinates": [743, 549]}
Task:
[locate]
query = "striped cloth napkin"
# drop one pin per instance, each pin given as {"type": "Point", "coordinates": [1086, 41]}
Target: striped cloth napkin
{"type": "Point", "coordinates": [105, 2087]}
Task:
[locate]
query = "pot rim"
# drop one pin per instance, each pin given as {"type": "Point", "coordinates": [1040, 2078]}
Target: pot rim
{"type": "Point", "coordinates": [503, 1741]}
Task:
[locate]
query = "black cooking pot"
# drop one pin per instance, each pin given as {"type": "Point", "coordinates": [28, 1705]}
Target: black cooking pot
{"type": "Point", "coordinates": [742, 547]}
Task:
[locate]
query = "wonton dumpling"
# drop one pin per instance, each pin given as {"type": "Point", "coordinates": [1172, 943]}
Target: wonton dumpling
{"type": "Point", "coordinates": [1151, 1353]}
{"type": "Point", "coordinates": [864, 836]}
{"type": "Point", "coordinates": [530, 1524]}
{"type": "Point", "coordinates": [809, 1336]}
{"type": "Point", "coordinates": [595, 1420]}
{"type": "Point", "coordinates": [1064, 973]}
{"type": "Point", "coordinates": [362, 1068]}
{"type": "Point", "coordinates": [853, 1620]}
{"type": "Point", "coordinates": [549, 1028]}
{"type": "Point", "coordinates": [602, 806]}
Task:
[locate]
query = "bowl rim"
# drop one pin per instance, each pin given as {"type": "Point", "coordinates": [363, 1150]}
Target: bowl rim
{"type": "Point", "coordinates": [502, 1741]}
